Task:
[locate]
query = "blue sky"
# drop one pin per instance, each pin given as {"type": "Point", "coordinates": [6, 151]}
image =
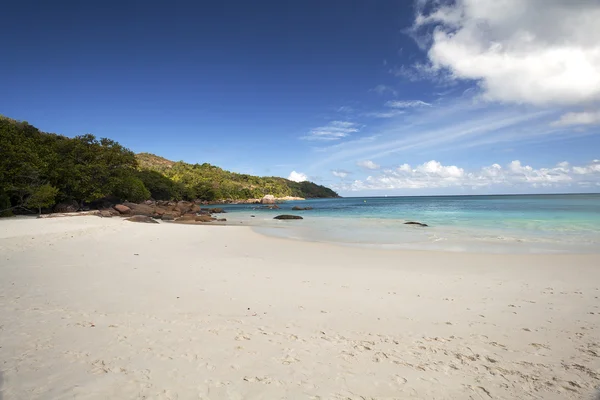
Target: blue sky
{"type": "Point", "coordinates": [371, 98]}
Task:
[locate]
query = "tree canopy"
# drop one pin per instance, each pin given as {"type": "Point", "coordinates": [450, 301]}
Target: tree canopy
{"type": "Point", "coordinates": [38, 169]}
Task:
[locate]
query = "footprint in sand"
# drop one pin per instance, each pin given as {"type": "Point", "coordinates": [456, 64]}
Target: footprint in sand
{"type": "Point", "coordinates": [539, 346]}
{"type": "Point", "coordinates": [242, 336]}
{"type": "Point", "coordinates": [261, 379]}
{"type": "Point", "coordinates": [287, 360]}
{"type": "Point", "coordinates": [379, 357]}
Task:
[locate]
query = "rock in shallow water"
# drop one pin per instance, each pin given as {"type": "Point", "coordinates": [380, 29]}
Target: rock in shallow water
{"type": "Point", "coordinates": [268, 199]}
{"type": "Point", "coordinates": [288, 217]}
{"type": "Point", "coordinates": [415, 223]}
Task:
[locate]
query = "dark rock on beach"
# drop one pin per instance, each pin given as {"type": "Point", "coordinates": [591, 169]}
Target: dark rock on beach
{"type": "Point", "coordinates": [185, 207]}
{"type": "Point", "coordinates": [69, 206]}
{"type": "Point", "coordinates": [168, 217]}
{"type": "Point", "coordinates": [187, 217]}
{"type": "Point", "coordinates": [216, 211]}
{"type": "Point", "coordinates": [140, 209]}
{"type": "Point", "coordinates": [415, 223]}
{"type": "Point", "coordinates": [143, 219]}
{"type": "Point", "coordinates": [288, 217]}
{"type": "Point", "coordinates": [204, 218]}
{"type": "Point", "coordinates": [123, 209]}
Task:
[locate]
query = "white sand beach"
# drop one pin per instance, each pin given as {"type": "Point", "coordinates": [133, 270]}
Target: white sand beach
{"type": "Point", "coordinates": [99, 308]}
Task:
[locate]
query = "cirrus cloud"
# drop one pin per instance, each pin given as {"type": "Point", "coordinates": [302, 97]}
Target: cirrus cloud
{"type": "Point", "coordinates": [406, 103]}
{"type": "Point", "coordinates": [334, 130]}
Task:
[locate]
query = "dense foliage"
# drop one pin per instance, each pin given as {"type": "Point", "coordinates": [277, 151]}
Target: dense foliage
{"type": "Point", "coordinates": [40, 169]}
{"type": "Point", "coordinates": [207, 182]}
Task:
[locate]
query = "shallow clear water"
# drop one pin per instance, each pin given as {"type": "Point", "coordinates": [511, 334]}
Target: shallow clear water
{"type": "Point", "coordinates": [522, 224]}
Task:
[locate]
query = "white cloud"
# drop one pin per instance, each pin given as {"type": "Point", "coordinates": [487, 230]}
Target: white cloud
{"type": "Point", "coordinates": [340, 173]}
{"type": "Point", "coordinates": [406, 103]}
{"type": "Point", "coordinates": [592, 168]}
{"type": "Point", "coordinates": [433, 174]}
{"type": "Point", "coordinates": [579, 118]}
{"type": "Point", "coordinates": [525, 51]}
{"type": "Point", "coordinates": [297, 176]}
{"type": "Point", "coordinates": [437, 169]}
{"type": "Point", "coordinates": [334, 130]}
{"type": "Point", "coordinates": [383, 89]}
{"type": "Point", "coordinates": [368, 164]}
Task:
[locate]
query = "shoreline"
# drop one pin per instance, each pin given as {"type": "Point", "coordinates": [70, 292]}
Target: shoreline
{"type": "Point", "coordinates": [166, 311]}
{"type": "Point", "coordinates": [474, 240]}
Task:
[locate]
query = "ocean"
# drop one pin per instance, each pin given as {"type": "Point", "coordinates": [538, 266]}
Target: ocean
{"type": "Point", "coordinates": [560, 223]}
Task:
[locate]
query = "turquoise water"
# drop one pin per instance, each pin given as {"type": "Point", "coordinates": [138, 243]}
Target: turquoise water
{"type": "Point", "coordinates": [522, 224]}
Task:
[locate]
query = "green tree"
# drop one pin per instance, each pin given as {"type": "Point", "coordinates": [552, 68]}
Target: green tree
{"type": "Point", "coordinates": [5, 206]}
{"type": "Point", "coordinates": [85, 169]}
{"type": "Point", "coordinates": [161, 187]}
{"type": "Point", "coordinates": [42, 196]}
{"type": "Point", "coordinates": [130, 188]}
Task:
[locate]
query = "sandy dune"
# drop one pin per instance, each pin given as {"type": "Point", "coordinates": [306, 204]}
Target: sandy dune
{"type": "Point", "coordinates": [94, 308]}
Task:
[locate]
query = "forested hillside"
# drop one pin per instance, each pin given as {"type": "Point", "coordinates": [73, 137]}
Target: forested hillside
{"type": "Point", "coordinates": [205, 181]}
{"type": "Point", "coordinates": [38, 170]}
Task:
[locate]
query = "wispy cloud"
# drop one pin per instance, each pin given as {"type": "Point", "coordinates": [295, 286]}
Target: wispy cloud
{"type": "Point", "coordinates": [368, 164]}
{"type": "Point", "coordinates": [340, 173]}
{"type": "Point", "coordinates": [462, 133]}
{"type": "Point", "coordinates": [396, 107]}
{"type": "Point", "coordinates": [345, 109]}
{"type": "Point", "coordinates": [421, 71]}
{"type": "Point", "coordinates": [579, 118]}
{"type": "Point", "coordinates": [406, 104]}
{"type": "Point", "coordinates": [434, 174]}
{"type": "Point", "coordinates": [384, 89]}
{"type": "Point", "coordinates": [334, 130]}
{"type": "Point", "coordinates": [340, 146]}
{"type": "Point", "coordinates": [457, 123]}
{"type": "Point", "coordinates": [384, 114]}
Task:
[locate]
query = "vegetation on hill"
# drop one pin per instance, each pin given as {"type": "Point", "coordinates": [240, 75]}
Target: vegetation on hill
{"type": "Point", "coordinates": [206, 181]}
{"type": "Point", "coordinates": [38, 170]}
